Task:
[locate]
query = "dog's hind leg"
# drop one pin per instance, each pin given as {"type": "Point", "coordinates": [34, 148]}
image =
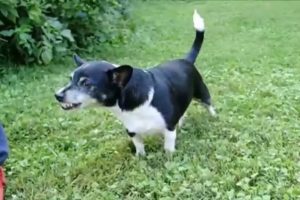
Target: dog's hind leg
{"type": "Point", "coordinates": [201, 94]}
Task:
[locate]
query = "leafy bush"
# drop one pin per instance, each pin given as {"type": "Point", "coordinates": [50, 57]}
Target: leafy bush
{"type": "Point", "coordinates": [37, 30]}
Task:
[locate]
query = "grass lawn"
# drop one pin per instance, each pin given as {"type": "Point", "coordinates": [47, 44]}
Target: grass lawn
{"type": "Point", "coordinates": [250, 62]}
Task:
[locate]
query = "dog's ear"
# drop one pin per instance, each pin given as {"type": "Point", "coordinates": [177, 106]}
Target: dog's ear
{"type": "Point", "coordinates": [120, 75]}
{"type": "Point", "coordinates": [78, 60]}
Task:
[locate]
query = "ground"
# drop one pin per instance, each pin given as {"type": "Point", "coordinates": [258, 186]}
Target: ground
{"type": "Point", "coordinates": [250, 62]}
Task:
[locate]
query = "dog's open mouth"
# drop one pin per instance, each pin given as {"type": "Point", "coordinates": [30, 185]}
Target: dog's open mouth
{"type": "Point", "coordinates": [69, 106]}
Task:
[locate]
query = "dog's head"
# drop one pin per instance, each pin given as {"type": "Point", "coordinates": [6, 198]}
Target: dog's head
{"type": "Point", "coordinates": [93, 83]}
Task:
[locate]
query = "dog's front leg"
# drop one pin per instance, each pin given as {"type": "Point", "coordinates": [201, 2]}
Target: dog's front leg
{"type": "Point", "coordinates": [169, 140]}
{"type": "Point", "coordinates": [139, 145]}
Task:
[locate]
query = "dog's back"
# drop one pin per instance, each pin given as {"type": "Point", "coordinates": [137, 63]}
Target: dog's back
{"type": "Point", "coordinates": [173, 84]}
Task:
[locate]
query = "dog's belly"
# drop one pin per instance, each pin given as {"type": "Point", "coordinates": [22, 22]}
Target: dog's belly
{"type": "Point", "coordinates": [142, 120]}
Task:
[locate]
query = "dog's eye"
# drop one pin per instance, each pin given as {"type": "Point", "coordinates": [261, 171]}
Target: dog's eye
{"type": "Point", "coordinates": [86, 83]}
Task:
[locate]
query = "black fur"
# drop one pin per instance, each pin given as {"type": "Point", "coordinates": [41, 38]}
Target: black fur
{"type": "Point", "coordinates": [193, 53]}
{"type": "Point", "coordinates": [131, 134]}
{"type": "Point", "coordinates": [97, 74]}
{"type": "Point", "coordinates": [175, 84]}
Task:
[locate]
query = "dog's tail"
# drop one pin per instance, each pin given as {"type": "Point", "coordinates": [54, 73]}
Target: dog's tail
{"type": "Point", "coordinates": [199, 26]}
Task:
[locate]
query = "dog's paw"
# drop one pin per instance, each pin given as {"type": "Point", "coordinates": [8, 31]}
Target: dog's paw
{"type": "Point", "coordinates": [140, 153]}
{"type": "Point", "coordinates": [170, 150]}
{"type": "Point", "coordinates": [212, 111]}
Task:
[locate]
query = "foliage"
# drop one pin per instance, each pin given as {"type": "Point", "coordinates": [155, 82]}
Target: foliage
{"type": "Point", "coordinates": [250, 62]}
{"type": "Point", "coordinates": [38, 30]}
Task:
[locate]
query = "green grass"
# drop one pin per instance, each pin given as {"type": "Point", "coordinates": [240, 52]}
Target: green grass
{"type": "Point", "coordinates": [250, 62]}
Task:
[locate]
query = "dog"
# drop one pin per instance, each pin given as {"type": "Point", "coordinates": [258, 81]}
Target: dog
{"type": "Point", "coordinates": [146, 101]}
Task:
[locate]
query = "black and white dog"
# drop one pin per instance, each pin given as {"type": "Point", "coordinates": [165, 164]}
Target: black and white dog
{"type": "Point", "coordinates": [146, 101]}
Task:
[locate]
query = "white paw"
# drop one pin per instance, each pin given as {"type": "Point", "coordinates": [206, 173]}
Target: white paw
{"type": "Point", "coordinates": [212, 111]}
{"type": "Point", "coordinates": [170, 150]}
{"type": "Point", "coordinates": [169, 143]}
{"type": "Point", "coordinates": [140, 153]}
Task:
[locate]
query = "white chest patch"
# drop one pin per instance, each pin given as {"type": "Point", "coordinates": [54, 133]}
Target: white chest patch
{"type": "Point", "coordinates": [144, 119]}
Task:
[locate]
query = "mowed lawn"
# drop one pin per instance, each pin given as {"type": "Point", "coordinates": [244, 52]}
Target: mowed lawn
{"type": "Point", "coordinates": [250, 62]}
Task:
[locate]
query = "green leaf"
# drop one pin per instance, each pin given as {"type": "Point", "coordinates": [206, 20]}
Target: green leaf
{"type": "Point", "coordinates": [55, 23]}
{"type": "Point", "coordinates": [13, 14]}
{"type": "Point", "coordinates": [4, 12]}
{"type": "Point", "coordinates": [7, 33]}
{"type": "Point", "coordinates": [35, 14]}
{"type": "Point", "coordinates": [266, 197]}
{"type": "Point", "coordinates": [9, 13]}
{"type": "Point", "coordinates": [46, 55]}
{"type": "Point", "coordinates": [67, 34]}
{"type": "Point", "coordinates": [24, 37]}
{"type": "Point", "coordinates": [60, 49]}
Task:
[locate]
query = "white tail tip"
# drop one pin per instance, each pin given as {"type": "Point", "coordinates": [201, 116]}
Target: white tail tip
{"type": "Point", "coordinates": [198, 21]}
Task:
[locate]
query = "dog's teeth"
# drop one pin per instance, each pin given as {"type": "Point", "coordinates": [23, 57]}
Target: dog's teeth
{"type": "Point", "coordinates": [64, 105]}
{"type": "Point", "coordinates": [67, 105]}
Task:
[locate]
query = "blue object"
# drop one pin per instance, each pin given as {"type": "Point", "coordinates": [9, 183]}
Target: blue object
{"type": "Point", "coordinates": [3, 146]}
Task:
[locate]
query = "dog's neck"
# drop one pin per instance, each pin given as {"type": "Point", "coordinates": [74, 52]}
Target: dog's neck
{"type": "Point", "coordinates": [136, 91]}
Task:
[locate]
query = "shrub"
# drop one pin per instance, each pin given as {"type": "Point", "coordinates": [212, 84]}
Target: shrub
{"type": "Point", "coordinates": [37, 30]}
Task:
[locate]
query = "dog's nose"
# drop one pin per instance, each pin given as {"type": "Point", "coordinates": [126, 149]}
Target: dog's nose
{"type": "Point", "coordinates": [59, 97]}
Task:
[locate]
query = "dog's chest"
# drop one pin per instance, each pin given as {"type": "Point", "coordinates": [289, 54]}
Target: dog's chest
{"type": "Point", "coordinates": [144, 119]}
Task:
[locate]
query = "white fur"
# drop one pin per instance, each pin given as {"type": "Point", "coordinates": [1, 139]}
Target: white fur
{"type": "Point", "coordinates": [198, 21]}
{"type": "Point", "coordinates": [104, 96]}
{"type": "Point", "coordinates": [75, 96]}
{"type": "Point", "coordinates": [139, 145]}
{"type": "Point", "coordinates": [170, 138]}
{"type": "Point", "coordinates": [145, 119]}
{"type": "Point", "coordinates": [212, 111]}
{"type": "Point", "coordinates": [81, 80]}
{"type": "Point", "coordinates": [61, 89]}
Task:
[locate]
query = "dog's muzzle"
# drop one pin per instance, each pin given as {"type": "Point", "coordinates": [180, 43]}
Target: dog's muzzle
{"type": "Point", "coordinates": [66, 106]}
